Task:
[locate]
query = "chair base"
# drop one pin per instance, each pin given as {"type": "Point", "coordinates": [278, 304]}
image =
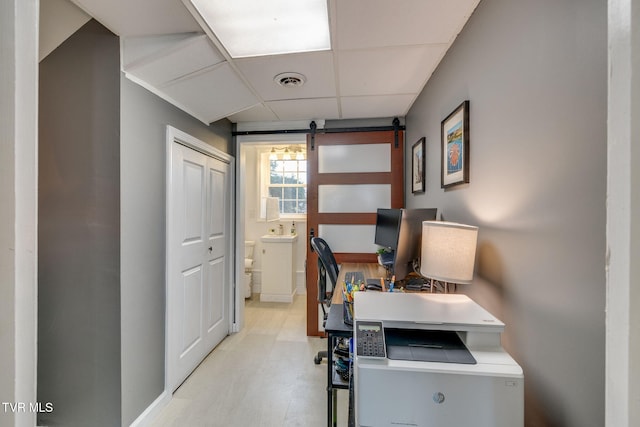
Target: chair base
{"type": "Point", "coordinates": [318, 358]}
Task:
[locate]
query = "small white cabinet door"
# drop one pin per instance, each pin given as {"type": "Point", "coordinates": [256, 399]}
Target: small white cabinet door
{"type": "Point", "coordinates": [278, 268]}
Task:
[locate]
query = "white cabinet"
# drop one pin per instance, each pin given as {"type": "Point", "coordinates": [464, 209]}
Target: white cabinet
{"type": "Point", "coordinates": [278, 268]}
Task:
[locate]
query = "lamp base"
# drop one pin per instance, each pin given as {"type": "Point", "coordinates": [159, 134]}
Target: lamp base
{"type": "Point", "coordinates": [445, 286]}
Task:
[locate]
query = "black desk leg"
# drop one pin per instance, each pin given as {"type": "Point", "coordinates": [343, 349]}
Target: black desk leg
{"type": "Point", "coordinates": [330, 392]}
{"type": "Point", "coordinates": [352, 413]}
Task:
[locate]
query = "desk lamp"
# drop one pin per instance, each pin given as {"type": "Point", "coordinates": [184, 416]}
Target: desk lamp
{"type": "Point", "coordinates": [448, 252]}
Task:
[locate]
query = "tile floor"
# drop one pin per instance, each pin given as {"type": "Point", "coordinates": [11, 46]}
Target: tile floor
{"type": "Point", "coordinates": [261, 376]}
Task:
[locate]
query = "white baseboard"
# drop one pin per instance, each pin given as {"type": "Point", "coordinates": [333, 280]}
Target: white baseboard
{"type": "Point", "coordinates": [276, 297]}
{"type": "Point", "coordinates": [152, 410]}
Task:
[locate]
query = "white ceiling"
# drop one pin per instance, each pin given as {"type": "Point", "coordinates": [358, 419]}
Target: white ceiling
{"type": "Point", "coordinates": [383, 52]}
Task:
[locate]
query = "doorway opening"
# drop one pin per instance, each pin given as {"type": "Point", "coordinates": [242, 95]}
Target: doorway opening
{"type": "Point", "coordinates": [272, 167]}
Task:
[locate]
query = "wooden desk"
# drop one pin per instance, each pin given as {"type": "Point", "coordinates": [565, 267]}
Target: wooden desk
{"type": "Point", "coordinates": [370, 271]}
{"type": "Point", "coordinates": [336, 328]}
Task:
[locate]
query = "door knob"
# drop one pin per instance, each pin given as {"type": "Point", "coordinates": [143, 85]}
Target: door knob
{"type": "Point", "coordinates": [210, 248]}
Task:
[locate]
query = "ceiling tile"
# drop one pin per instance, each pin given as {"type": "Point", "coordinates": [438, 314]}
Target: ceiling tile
{"type": "Point", "coordinates": [317, 68]}
{"type": "Point", "coordinates": [213, 94]}
{"type": "Point", "coordinates": [141, 17]}
{"type": "Point", "coordinates": [188, 56]}
{"type": "Point", "coordinates": [303, 109]}
{"type": "Point", "coordinates": [358, 107]}
{"type": "Point", "coordinates": [379, 48]}
{"type": "Point", "coordinates": [139, 48]}
{"type": "Point", "coordinates": [258, 113]}
{"type": "Point", "coordinates": [387, 71]}
{"type": "Point", "coordinates": [385, 23]}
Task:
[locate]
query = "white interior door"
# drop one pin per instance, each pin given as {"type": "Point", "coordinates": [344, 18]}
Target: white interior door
{"type": "Point", "coordinates": [218, 265]}
{"type": "Point", "coordinates": [199, 281]}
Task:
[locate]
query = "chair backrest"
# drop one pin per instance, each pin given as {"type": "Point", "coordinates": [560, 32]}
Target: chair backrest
{"type": "Point", "coordinates": [327, 269]}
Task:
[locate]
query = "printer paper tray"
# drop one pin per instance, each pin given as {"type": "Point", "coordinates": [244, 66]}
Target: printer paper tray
{"type": "Point", "coordinates": [426, 346]}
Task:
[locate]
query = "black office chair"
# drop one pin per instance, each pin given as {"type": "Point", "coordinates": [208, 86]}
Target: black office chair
{"type": "Point", "coordinates": [327, 281]}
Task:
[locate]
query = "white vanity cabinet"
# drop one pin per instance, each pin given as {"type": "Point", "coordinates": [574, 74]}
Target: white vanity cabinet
{"type": "Point", "coordinates": [278, 268]}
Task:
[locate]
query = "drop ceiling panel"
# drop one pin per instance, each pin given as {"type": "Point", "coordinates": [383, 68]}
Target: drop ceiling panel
{"type": "Point", "coordinates": [380, 47]}
{"type": "Point", "coordinates": [317, 67]}
{"type": "Point", "coordinates": [213, 94]}
{"type": "Point", "coordinates": [258, 113]}
{"type": "Point", "coordinates": [188, 57]}
{"type": "Point", "coordinates": [136, 49]}
{"type": "Point", "coordinates": [358, 107]}
{"type": "Point", "coordinates": [386, 23]}
{"type": "Point", "coordinates": [399, 70]}
{"type": "Point", "coordinates": [303, 109]}
{"type": "Point", "coordinates": [141, 17]}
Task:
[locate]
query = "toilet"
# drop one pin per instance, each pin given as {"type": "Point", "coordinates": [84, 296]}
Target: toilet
{"type": "Point", "coordinates": [249, 245]}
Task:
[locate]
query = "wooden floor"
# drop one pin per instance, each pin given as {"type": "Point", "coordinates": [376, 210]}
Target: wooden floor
{"type": "Point", "coordinates": [261, 376]}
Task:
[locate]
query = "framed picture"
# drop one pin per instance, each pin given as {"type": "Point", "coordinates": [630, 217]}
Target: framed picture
{"type": "Point", "coordinates": [417, 166]}
{"type": "Point", "coordinates": [455, 147]}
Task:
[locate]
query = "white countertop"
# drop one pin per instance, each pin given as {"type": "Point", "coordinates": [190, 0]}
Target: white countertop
{"type": "Point", "coordinates": [282, 238]}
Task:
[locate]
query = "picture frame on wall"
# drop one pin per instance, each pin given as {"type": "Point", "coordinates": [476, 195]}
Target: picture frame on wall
{"type": "Point", "coordinates": [455, 147]}
{"type": "Point", "coordinates": [417, 166]}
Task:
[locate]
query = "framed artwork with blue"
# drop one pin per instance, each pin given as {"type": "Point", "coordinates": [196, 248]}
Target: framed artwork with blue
{"type": "Point", "coordinates": [417, 166]}
{"type": "Point", "coordinates": [455, 147]}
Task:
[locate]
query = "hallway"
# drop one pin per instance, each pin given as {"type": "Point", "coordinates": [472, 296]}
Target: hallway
{"type": "Point", "coordinates": [262, 376]}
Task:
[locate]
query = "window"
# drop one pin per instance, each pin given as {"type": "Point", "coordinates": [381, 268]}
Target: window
{"type": "Point", "coordinates": [287, 181]}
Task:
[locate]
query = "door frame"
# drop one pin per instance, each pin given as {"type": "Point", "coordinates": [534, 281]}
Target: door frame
{"type": "Point", "coordinates": [242, 142]}
{"type": "Point", "coordinates": [173, 136]}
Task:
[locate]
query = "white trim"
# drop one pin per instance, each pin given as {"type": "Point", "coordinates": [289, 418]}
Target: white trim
{"type": "Point", "coordinates": [276, 297]}
{"type": "Point", "coordinates": [284, 125]}
{"type": "Point", "coordinates": [152, 410]}
{"type": "Point", "coordinates": [287, 138]}
{"type": "Point", "coordinates": [622, 324]}
{"type": "Point", "coordinates": [187, 140]}
{"type": "Point", "coordinates": [18, 212]}
{"type": "Point", "coordinates": [240, 224]}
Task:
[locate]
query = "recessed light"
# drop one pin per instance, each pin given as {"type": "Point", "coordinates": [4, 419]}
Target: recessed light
{"type": "Point", "coordinates": [256, 27]}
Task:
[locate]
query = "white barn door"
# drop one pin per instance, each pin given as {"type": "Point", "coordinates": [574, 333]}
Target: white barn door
{"type": "Point", "coordinates": [199, 257]}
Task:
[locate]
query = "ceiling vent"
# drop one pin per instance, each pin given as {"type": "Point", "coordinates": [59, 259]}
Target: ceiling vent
{"type": "Point", "coordinates": [290, 79]}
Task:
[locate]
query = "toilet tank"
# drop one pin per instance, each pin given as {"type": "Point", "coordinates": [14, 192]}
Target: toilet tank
{"type": "Point", "coordinates": [249, 245]}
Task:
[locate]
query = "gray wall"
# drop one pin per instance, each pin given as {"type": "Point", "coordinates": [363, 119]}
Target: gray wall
{"type": "Point", "coordinates": [535, 73]}
{"type": "Point", "coordinates": [102, 233]}
{"type": "Point", "coordinates": [144, 118]}
{"type": "Point", "coordinates": [79, 231]}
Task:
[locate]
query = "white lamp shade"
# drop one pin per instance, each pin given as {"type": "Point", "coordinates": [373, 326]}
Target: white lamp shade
{"type": "Point", "coordinates": [448, 251]}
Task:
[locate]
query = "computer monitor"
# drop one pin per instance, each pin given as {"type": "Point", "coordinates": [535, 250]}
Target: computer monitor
{"type": "Point", "coordinates": [388, 227]}
{"type": "Point", "coordinates": [401, 231]}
